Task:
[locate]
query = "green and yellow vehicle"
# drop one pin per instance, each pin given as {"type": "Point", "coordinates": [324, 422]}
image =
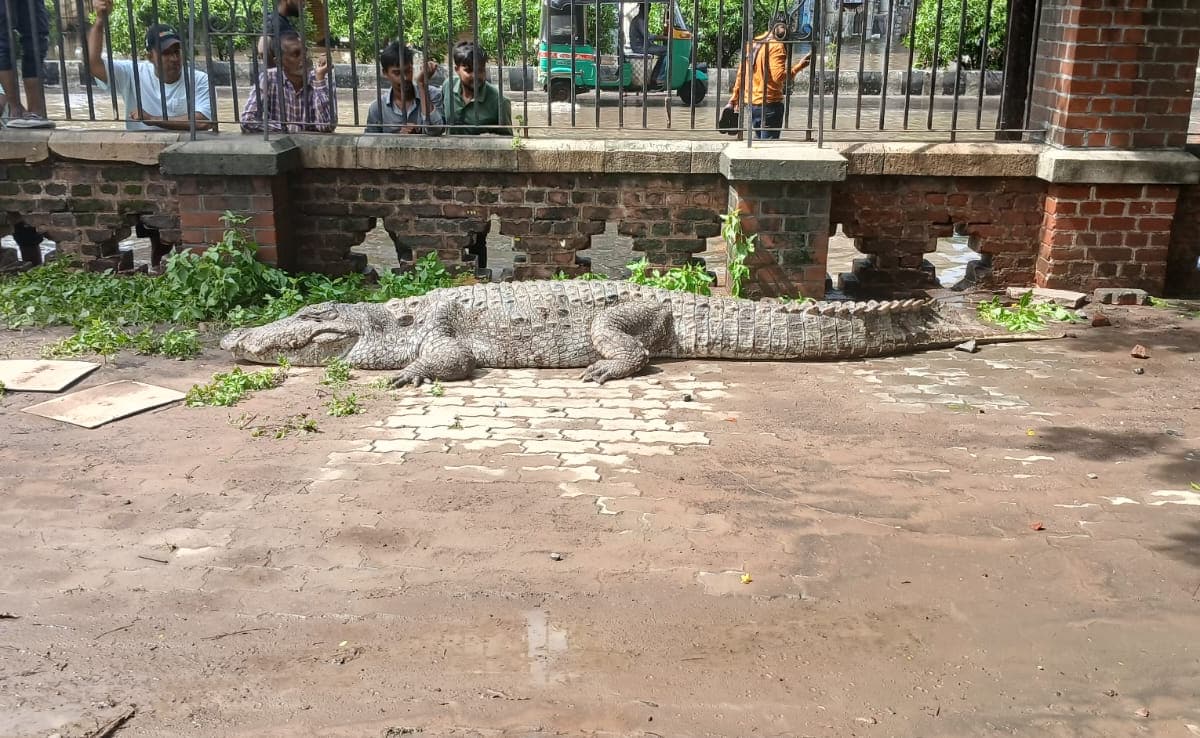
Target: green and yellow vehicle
{"type": "Point", "coordinates": [570, 62]}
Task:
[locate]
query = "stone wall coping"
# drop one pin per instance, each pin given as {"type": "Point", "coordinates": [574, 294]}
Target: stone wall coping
{"type": "Point", "coordinates": [765, 161]}
{"type": "Point", "coordinates": [781, 162]}
{"type": "Point", "coordinates": [246, 156]}
{"type": "Point", "coordinates": [1106, 166]}
{"type": "Point", "coordinates": [964, 159]}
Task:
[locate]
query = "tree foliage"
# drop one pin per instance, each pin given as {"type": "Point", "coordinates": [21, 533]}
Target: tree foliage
{"type": "Point", "coordinates": [943, 39]}
{"type": "Point", "coordinates": [504, 28]}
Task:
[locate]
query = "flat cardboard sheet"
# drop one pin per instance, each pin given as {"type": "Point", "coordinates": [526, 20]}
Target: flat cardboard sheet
{"type": "Point", "coordinates": [93, 407]}
{"type": "Point", "coordinates": [36, 375]}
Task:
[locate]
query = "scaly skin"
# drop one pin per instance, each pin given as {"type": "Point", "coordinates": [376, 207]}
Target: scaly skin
{"type": "Point", "coordinates": [612, 329]}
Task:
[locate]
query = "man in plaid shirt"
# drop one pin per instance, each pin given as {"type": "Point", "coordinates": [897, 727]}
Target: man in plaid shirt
{"type": "Point", "coordinates": [286, 99]}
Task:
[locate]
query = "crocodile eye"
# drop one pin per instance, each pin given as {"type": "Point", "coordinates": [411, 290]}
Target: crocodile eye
{"type": "Point", "coordinates": [317, 313]}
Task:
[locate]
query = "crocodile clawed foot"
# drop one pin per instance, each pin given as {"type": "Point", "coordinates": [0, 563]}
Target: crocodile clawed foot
{"type": "Point", "coordinates": [407, 378]}
{"type": "Point", "coordinates": [602, 371]}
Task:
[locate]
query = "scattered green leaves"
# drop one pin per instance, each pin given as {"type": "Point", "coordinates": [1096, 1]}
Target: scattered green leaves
{"type": "Point", "coordinates": [300, 423]}
{"type": "Point", "coordinates": [3, 389]}
{"type": "Point", "coordinates": [337, 372]}
{"type": "Point", "coordinates": [436, 389]}
{"type": "Point", "coordinates": [738, 246]}
{"type": "Point", "coordinates": [1025, 315]}
{"type": "Point", "coordinates": [340, 407]}
{"type": "Point", "coordinates": [106, 339]}
{"type": "Point", "coordinates": [691, 278]}
{"type": "Point", "coordinates": [228, 388]}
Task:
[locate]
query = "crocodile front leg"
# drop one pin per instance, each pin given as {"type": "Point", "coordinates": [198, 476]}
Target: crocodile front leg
{"type": "Point", "coordinates": [442, 355]}
{"type": "Point", "coordinates": [624, 335]}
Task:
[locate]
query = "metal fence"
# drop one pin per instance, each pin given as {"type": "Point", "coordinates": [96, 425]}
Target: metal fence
{"type": "Point", "coordinates": [878, 69]}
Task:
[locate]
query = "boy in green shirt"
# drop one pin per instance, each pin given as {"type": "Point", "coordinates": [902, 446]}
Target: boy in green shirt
{"type": "Point", "coordinates": [471, 105]}
{"type": "Point", "coordinates": [470, 100]}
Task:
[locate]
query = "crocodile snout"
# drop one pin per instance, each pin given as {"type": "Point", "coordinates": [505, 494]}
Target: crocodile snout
{"type": "Point", "coordinates": [233, 339]}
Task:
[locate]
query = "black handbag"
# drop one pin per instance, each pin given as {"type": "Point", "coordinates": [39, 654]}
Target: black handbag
{"type": "Point", "coordinates": [730, 122]}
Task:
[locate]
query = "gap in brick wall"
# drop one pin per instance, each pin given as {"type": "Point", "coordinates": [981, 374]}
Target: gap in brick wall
{"type": "Point", "coordinates": [379, 249]}
{"type": "Point", "coordinates": [842, 252]}
{"type": "Point", "coordinates": [953, 255]}
{"type": "Point", "coordinates": [610, 252]}
{"type": "Point", "coordinates": [502, 252]}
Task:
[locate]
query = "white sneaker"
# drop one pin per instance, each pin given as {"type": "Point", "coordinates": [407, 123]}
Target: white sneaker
{"type": "Point", "coordinates": [30, 120]}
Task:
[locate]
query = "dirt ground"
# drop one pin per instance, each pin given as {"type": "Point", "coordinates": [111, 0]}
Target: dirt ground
{"type": "Point", "coordinates": [943, 544]}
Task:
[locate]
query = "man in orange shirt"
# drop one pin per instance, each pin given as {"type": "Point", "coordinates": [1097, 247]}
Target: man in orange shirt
{"type": "Point", "coordinates": [769, 72]}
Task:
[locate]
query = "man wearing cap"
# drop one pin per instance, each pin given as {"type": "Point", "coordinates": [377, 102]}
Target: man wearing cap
{"type": "Point", "coordinates": [154, 85]}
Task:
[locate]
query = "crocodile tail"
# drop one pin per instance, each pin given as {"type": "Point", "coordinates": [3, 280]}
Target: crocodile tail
{"type": "Point", "coordinates": [814, 331]}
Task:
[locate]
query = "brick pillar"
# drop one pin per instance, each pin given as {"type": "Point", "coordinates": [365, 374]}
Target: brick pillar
{"type": "Point", "coordinates": [783, 193]}
{"type": "Point", "coordinates": [1116, 73]}
{"type": "Point", "coordinates": [248, 177]}
{"type": "Point", "coordinates": [1113, 74]}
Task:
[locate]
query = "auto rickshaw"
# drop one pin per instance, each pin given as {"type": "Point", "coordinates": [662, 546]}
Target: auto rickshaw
{"type": "Point", "coordinates": [567, 36]}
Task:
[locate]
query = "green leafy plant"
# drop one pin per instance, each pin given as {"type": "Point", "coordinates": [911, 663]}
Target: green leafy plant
{"type": "Point", "coordinates": [738, 246]}
{"type": "Point", "coordinates": [337, 372]}
{"type": "Point", "coordinates": [340, 407]}
{"type": "Point", "coordinates": [691, 278]}
{"type": "Point", "coordinates": [931, 40]}
{"type": "Point", "coordinates": [3, 389]}
{"type": "Point", "coordinates": [99, 336]}
{"type": "Point", "coordinates": [436, 389]}
{"type": "Point", "coordinates": [228, 388]}
{"type": "Point", "coordinates": [1025, 315]}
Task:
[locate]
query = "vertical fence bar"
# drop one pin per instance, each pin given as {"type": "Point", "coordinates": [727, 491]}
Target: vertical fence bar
{"type": "Point", "coordinates": [1037, 25]}
{"type": "Point", "coordinates": [691, 81]}
{"type": "Point", "coordinates": [233, 91]}
{"type": "Point", "coordinates": [379, 65]}
{"type": "Point", "coordinates": [645, 62]}
{"type": "Point", "coordinates": [574, 61]}
{"type": "Point", "coordinates": [719, 46]}
{"type": "Point", "coordinates": [983, 59]}
{"type": "Point", "coordinates": [887, 59]}
{"type": "Point", "coordinates": [525, 78]}
{"type": "Point", "coordinates": [962, 32]}
{"type": "Point", "coordinates": [331, 70]}
{"type": "Point", "coordinates": [862, 57]}
{"type": "Point", "coordinates": [84, 46]}
{"type": "Point", "coordinates": [820, 34]}
{"type": "Point", "coordinates": [205, 14]}
{"type": "Point", "coordinates": [500, 51]}
{"type": "Point", "coordinates": [351, 17]}
{"type": "Point", "coordinates": [815, 46]}
{"type": "Point", "coordinates": [621, 65]}
{"type": "Point", "coordinates": [933, 67]}
{"type": "Point", "coordinates": [747, 65]}
{"type": "Point", "coordinates": [189, 69]}
{"type": "Point", "coordinates": [912, 49]}
{"type": "Point", "coordinates": [837, 65]}
{"type": "Point", "coordinates": [162, 86]}
{"type": "Point", "coordinates": [10, 13]}
{"type": "Point", "coordinates": [449, 101]}
{"type": "Point", "coordinates": [596, 49]}
{"type": "Point", "coordinates": [668, 62]}
{"type": "Point", "coordinates": [62, 61]}
{"type": "Point", "coordinates": [275, 53]}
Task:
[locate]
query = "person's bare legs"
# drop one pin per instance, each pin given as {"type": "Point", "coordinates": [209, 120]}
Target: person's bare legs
{"type": "Point", "coordinates": [35, 96]}
{"type": "Point", "coordinates": [8, 80]}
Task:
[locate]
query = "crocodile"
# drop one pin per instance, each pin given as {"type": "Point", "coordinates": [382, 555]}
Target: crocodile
{"type": "Point", "coordinates": [611, 329]}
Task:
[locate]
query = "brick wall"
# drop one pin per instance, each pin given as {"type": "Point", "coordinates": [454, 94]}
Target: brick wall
{"type": "Point", "coordinates": [1183, 274]}
{"type": "Point", "coordinates": [1106, 236]}
{"type": "Point", "coordinates": [791, 222]}
{"type": "Point", "coordinates": [896, 220]}
{"type": "Point", "coordinates": [87, 208]}
{"type": "Point", "coordinates": [1116, 73]}
{"type": "Point", "coordinates": [549, 216]}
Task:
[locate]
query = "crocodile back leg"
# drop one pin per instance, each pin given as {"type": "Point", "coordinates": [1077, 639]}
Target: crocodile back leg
{"type": "Point", "coordinates": [625, 335]}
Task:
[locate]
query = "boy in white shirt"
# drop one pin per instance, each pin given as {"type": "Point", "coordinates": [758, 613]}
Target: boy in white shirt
{"type": "Point", "coordinates": [157, 79]}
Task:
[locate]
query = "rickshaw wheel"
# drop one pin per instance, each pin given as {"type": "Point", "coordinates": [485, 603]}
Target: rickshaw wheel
{"type": "Point", "coordinates": [560, 89]}
{"type": "Point", "coordinates": [693, 91]}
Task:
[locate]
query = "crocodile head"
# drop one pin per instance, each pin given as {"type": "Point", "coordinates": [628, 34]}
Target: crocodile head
{"type": "Point", "coordinates": [365, 335]}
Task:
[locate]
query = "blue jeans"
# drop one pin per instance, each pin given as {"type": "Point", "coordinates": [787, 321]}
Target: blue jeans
{"type": "Point", "coordinates": [767, 116]}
